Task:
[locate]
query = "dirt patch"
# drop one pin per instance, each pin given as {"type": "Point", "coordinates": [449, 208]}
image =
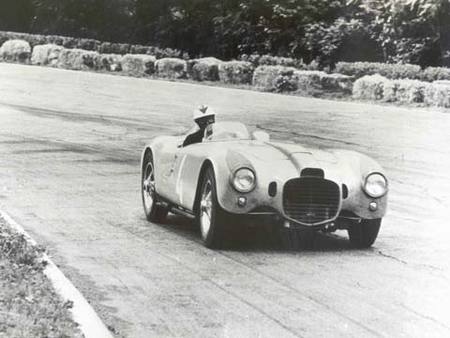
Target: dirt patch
{"type": "Point", "coordinates": [29, 306]}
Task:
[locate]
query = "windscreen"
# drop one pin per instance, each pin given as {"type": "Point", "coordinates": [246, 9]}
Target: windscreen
{"type": "Point", "coordinates": [221, 131]}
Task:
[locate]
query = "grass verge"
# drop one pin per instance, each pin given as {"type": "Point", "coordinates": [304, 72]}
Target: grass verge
{"type": "Point", "coordinates": [29, 306]}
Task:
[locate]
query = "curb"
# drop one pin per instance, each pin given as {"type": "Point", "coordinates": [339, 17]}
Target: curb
{"type": "Point", "coordinates": [89, 322]}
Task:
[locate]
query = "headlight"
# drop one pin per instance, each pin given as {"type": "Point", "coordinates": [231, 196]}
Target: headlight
{"type": "Point", "coordinates": [375, 185]}
{"type": "Point", "coordinates": [244, 180]}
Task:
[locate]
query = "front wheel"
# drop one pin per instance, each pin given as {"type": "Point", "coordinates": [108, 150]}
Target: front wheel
{"type": "Point", "coordinates": [210, 214]}
{"type": "Point", "coordinates": [154, 212]}
{"type": "Point", "coordinates": [363, 235]}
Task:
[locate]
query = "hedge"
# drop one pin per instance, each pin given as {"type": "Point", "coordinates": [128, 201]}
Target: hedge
{"type": "Point", "coordinates": [289, 79]}
{"type": "Point", "coordinates": [138, 64]}
{"type": "Point", "coordinates": [78, 59]}
{"type": "Point", "coordinates": [379, 88]}
{"type": "Point", "coordinates": [111, 62]}
{"type": "Point", "coordinates": [369, 87]}
{"type": "Point", "coordinates": [275, 78]}
{"type": "Point", "coordinates": [438, 94]}
{"type": "Point", "coordinates": [267, 77]}
{"type": "Point", "coordinates": [393, 71]}
{"type": "Point", "coordinates": [204, 69]}
{"type": "Point", "coordinates": [90, 44]}
{"type": "Point", "coordinates": [390, 71]}
{"type": "Point", "coordinates": [171, 68]}
{"type": "Point", "coordinates": [46, 54]}
{"type": "Point", "coordinates": [15, 51]}
{"type": "Point", "coordinates": [236, 72]}
{"type": "Point", "coordinates": [435, 74]}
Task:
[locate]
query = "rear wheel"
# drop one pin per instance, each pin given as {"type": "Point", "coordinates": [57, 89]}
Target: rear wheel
{"type": "Point", "coordinates": [154, 211]}
{"type": "Point", "coordinates": [211, 216]}
{"type": "Point", "coordinates": [364, 234]}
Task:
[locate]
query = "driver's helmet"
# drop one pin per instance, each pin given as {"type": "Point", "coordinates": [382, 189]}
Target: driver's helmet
{"type": "Point", "coordinates": [203, 111]}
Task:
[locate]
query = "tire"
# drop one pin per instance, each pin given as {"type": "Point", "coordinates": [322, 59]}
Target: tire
{"type": "Point", "coordinates": [363, 235]}
{"type": "Point", "coordinates": [211, 217]}
{"type": "Point", "coordinates": [294, 239]}
{"type": "Point", "coordinates": [154, 211]}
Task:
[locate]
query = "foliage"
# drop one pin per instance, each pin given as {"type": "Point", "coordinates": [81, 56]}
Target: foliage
{"type": "Point", "coordinates": [323, 31]}
{"type": "Point", "coordinates": [390, 71]}
{"type": "Point", "coordinates": [393, 71]}
{"type": "Point", "coordinates": [436, 73]}
{"type": "Point", "coordinates": [343, 39]}
{"type": "Point", "coordinates": [29, 305]}
{"type": "Point", "coordinates": [409, 31]}
{"type": "Point", "coordinates": [379, 88]}
{"type": "Point", "coordinates": [236, 72]}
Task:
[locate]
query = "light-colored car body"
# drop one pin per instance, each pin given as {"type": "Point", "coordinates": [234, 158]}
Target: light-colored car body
{"type": "Point", "coordinates": [341, 173]}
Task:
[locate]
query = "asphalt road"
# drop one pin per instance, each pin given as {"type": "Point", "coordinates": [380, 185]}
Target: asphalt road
{"type": "Point", "coordinates": [70, 144]}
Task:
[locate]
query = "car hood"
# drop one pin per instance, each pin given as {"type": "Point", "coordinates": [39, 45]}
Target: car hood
{"type": "Point", "coordinates": [337, 164]}
{"type": "Point", "coordinates": [300, 156]}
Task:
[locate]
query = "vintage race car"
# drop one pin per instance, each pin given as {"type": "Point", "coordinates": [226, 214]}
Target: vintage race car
{"type": "Point", "coordinates": [234, 174]}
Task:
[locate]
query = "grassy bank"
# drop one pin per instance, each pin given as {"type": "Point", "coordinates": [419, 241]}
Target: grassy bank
{"type": "Point", "coordinates": [29, 306]}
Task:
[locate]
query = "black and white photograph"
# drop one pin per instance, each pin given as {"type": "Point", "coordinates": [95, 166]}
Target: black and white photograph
{"type": "Point", "coordinates": [224, 168]}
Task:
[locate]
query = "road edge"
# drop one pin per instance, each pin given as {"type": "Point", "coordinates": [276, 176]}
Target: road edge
{"type": "Point", "coordinates": [83, 313]}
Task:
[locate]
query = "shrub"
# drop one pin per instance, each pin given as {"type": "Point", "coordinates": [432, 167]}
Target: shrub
{"type": "Point", "coordinates": [15, 51]}
{"type": "Point", "coordinates": [139, 49]}
{"type": "Point", "coordinates": [111, 62]}
{"type": "Point", "coordinates": [391, 71]}
{"type": "Point", "coordinates": [138, 64]}
{"type": "Point", "coordinates": [78, 59]}
{"type": "Point", "coordinates": [282, 79]}
{"type": "Point", "coordinates": [172, 68]}
{"type": "Point", "coordinates": [275, 78]}
{"type": "Point", "coordinates": [92, 45]}
{"type": "Point", "coordinates": [236, 72]}
{"type": "Point", "coordinates": [376, 87]}
{"type": "Point", "coordinates": [252, 58]}
{"type": "Point", "coordinates": [3, 37]}
{"type": "Point", "coordinates": [105, 48]}
{"type": "Point", "coordinates": [438, 94]}
{"type": "Point", "coordinates": [46, 54]}
{"type": "Point", "coordinates": [269, 60]}
{"type": "Point", "coordinates": [88, 44]}
{"type": "Point", "coordinates": [436, 73]}
{"type": "Point", "coordinates": [113, 48]}
{"type": "Point", "coordinates": [69, 42]}
{"type": "Point", "coordinates": [336, 82]}
{"type": "Point", "coordinates": [369, 87]}
{"type": "Point", "coordinates": [55, 40]}
{"type": "Point", "coordinates": [280, 61]}
{"type": "Point", "coordinates": [410, 91]}
{"type": "Point", "coordinates": [205, 69]}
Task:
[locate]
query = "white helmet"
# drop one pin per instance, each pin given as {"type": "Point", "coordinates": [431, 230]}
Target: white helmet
{"type": "Point", "coordinates": [203, 111]}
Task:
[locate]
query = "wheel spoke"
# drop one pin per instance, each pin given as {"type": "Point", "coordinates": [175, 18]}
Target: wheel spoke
{"type": "Point", "coordinates": [208, 196]}
{"type": "Point", "coordinates": [206, 209]}
{"type": "Point", "coordinates": [148, 187]}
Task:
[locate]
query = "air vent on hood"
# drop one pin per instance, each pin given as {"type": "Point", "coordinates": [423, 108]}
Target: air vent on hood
{"type": "Point", "coordinates": [312, 172]}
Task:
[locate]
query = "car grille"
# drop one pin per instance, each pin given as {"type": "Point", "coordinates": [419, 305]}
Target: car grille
{"type": "Point", "coordinates": [311, 200]}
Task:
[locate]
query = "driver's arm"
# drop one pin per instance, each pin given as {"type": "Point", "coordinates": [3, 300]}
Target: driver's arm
{"type": "Point", "coordinates": [193, 138]}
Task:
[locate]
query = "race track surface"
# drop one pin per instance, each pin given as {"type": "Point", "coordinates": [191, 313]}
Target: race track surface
{"type": "Point", "coordinates": [70, 145]}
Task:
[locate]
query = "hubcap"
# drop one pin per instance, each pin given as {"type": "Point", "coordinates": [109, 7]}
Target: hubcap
{"type": "Point", "coordinates": [148, 187]}
{"type": "Point", "coordinates": [206, 209]}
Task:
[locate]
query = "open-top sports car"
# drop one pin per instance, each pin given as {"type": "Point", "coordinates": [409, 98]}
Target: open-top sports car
{"type": "Point", "coordinates": [234, 174]}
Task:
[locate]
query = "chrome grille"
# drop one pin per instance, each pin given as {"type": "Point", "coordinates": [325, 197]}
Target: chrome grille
{"type": "Point", "coordinates": [311, 200]}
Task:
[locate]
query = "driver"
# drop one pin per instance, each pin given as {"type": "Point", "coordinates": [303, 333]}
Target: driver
{"type": "Point", "coordinates": [203, 116]}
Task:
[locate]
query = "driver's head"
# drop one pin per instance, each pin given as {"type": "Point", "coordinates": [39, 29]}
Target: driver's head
{"type": "Point", "coordinates": [204, 116]}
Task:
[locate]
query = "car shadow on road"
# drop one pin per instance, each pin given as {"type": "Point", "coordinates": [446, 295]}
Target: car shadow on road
{"type": "Point", "coordinates": [256, 238]}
